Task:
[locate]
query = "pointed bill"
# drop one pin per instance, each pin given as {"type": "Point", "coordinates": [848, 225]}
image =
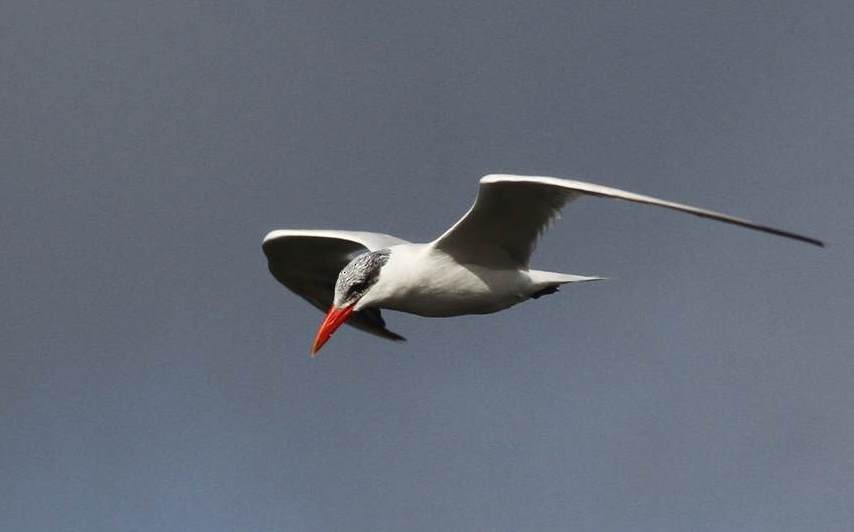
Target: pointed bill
{"type": "Point", "coordinates": [334, 318]}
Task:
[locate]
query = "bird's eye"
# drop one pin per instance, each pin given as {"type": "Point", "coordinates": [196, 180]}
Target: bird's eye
{"type": "Point", "coordinates": [357, 287]}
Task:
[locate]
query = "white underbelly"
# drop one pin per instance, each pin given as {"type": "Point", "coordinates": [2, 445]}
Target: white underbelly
{"type": "Point", "coordinates": [453, 290]}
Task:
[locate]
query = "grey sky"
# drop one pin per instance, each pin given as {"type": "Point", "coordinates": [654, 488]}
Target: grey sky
{"type": "Point", "coordinates": [154, 376]}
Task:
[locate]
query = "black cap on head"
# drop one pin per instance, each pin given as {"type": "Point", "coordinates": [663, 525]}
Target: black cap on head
{"type": "Point", "coordinates": [359, 275]}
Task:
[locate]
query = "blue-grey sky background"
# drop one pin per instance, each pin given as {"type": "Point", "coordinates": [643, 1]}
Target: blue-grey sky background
{"type": "Point", "coordinates": [154, 376]}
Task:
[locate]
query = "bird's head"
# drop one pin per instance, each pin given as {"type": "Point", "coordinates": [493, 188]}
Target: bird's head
{"type": "Point", "coordinates": [353, 285]}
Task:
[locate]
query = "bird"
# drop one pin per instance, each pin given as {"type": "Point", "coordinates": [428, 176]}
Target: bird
{"type": "Point", "coordinates": [480, 265]}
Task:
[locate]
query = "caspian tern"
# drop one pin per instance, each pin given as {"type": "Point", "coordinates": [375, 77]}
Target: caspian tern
{"type": "Point", "coordinates": [478, 266]}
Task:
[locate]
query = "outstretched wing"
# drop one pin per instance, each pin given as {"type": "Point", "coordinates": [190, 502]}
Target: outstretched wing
{"type": "Point", "coordinates": [510, 213]}
{"type": "Point", "coordinates": [308, 262]}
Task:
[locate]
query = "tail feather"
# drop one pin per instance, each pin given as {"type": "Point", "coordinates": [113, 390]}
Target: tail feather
{"type": "Point", "coordinates": [546, 283]}
{"type": "Point", "coordinates": [553, 278]}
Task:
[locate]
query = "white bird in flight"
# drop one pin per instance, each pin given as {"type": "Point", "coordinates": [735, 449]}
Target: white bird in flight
{"type": "Point", "coordinates": [478, 266]}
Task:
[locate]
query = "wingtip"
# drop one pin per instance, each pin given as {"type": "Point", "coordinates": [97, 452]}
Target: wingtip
{"type": "Point", "coordinates": [807, 239]}
{"type": "Point", "coordinates": [270, 235]}
{"type": "Point", "coordinates": [394, 337]}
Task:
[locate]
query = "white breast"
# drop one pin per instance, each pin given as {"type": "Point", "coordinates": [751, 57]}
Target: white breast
{"type": "Point", "coordinates": [421, 280]}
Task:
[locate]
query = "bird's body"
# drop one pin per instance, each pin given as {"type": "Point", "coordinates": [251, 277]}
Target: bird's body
{"type": "Point", "coordinates": [421, 279]}
{"type": "Point", "coordinates": [478, 266]}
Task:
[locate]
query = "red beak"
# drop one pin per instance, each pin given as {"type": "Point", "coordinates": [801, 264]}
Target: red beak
{"type": "Point", "coordinates": [334, 318]}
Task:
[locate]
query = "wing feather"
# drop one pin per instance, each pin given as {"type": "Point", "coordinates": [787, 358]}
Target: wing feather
{"type": "Point", "coordinates": [511, 211]}
{"type": "Point", "coordinates": [308, 261]}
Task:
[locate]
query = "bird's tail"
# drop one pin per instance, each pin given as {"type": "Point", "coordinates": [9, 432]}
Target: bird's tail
{"type": "Point", "coordinates": [554, 278]}
{"type": "Point", "coordinates": [546, 283]}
